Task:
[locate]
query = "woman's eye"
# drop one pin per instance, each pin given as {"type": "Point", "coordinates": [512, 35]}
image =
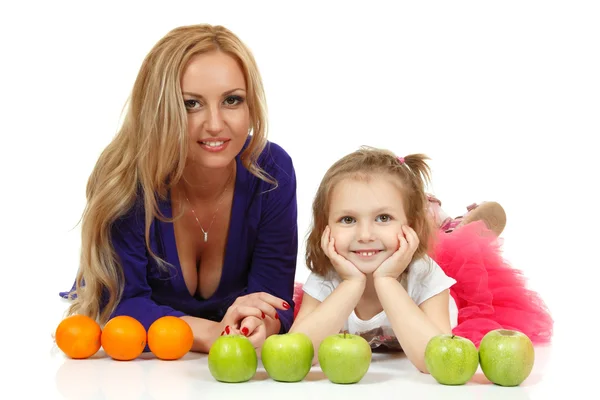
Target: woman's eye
{"type": "Point", "coordinates": [191, 104]}
{"type": "Point", "coordinates": [233, 100]}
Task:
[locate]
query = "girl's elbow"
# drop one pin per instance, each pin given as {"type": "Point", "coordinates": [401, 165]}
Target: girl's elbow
{"type": "Point", "coordinates": [294, 328]}
{"type": "Point", "coordinates": [421, 366]}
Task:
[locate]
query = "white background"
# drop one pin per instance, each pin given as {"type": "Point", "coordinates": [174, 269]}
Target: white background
{"type": "Point", "coordinates": [503, 96]}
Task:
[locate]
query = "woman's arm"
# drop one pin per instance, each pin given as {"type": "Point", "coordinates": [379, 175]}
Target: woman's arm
{"type": "Point", "coordinates": [413, 325]}
{"type": "Point", "coordinates": [273, 264]}
{"type": "Point", "coordinates": [205, 332]}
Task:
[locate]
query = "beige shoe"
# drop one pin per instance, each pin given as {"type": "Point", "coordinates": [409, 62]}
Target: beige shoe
{"type": "Point", "coordinates": [491, 213]}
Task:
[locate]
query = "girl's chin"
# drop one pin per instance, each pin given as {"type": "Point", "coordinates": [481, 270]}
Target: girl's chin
{"type": "Point", "coordinates": [366, 269]}
{"type": "Point", "coordinates": [368, 266]}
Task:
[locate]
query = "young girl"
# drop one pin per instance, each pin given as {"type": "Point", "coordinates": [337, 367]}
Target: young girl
{"type": "Point", "coordinates": [381, 269]}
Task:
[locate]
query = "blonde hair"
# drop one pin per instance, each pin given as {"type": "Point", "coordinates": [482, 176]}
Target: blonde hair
{"type": "Point", "coordinates": [148, 154]}
{"type": "Point", "coordinates": [412, 174]}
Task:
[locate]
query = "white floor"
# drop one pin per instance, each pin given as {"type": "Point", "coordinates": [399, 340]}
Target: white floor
{"type": "Point", "coordinates": [190, 379]}
{"type": "Point", "coordinates": [49, 375]}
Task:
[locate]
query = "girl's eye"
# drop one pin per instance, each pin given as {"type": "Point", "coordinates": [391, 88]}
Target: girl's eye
{"type": "Point", "coordinates": [347, 220]}
{"type": "Point", "coordinates": [384, 218]}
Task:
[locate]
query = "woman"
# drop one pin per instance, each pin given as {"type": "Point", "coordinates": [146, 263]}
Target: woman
{"type": "Point", "coordinates": [190, 211]}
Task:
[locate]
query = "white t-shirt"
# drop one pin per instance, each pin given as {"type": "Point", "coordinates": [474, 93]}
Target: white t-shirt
{"type": "Point", "coordinates": [424, 280]}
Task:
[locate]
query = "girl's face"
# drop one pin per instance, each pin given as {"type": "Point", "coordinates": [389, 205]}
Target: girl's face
{"type": "Point", "coordinates": [214, 93]}
{"type": "Point", "coordinates": [365, 218]}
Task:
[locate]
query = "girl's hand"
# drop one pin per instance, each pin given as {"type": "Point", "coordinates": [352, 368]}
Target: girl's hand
{"type": "Point", "coordinates": [343, 267]}
{"type": "Point", "coordinates": [408, 242]}
{"type": "Point", "coordinates": [255, 330]}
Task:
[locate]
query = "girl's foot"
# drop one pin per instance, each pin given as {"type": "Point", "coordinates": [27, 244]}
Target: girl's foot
{"type": "Point", "coordinates": [491, 213]}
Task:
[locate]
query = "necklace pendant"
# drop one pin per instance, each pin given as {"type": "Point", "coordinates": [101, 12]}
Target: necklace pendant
{"type": "Point", "coordinates": [205, 237]}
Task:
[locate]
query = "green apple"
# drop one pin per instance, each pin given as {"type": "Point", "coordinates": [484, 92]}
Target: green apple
{"type": "Point", "coordinates": [232, 359]}
{"type": "Point", "coordinates": [344, 357]}
{"type": "Point", "coordinates": [451, 359]}
{"type": "Point", "coordinates": [287, 357]}
{"type": "Point", "coordinates": [506, 357]}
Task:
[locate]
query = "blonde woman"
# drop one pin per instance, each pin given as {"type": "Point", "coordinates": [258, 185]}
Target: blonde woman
{"type": "Point", "coordinates": [191, 212]}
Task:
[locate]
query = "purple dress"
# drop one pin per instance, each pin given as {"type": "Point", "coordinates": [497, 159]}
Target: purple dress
{"type": "Point", "coordinates": [261, 250]}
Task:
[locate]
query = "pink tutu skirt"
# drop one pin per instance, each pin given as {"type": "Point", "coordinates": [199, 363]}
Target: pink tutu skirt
{"type": "Point", "coordinates": [298, 293]}
{"type": "Point", "coordinates": [489, 293]}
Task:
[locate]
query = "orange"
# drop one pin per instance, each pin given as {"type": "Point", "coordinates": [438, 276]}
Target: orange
{"type": "Point", "coordinates": [123, 338]}
{"type": "Point", "coordinates": [78, 336]}
{"type": "Point", "coordinates": [170, 338]}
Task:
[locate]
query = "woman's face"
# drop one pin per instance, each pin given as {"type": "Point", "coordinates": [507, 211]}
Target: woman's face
{"type": "Point", "coordinates": [214, 93]}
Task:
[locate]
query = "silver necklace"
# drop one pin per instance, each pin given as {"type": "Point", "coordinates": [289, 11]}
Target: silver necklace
{"type": "Point", "coordinates": [205, 232]}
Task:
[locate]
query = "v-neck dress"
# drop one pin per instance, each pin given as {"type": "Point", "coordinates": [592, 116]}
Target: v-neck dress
{"type": "Point", "coordinates": [260, 256]}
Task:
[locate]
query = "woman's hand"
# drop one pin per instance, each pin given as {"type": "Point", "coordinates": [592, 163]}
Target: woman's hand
{"type": "Point", "coordinates": [345, 269]}
{"type": "Point", "coordinates": [258, 305]}
{"type": "Point", "coordinates": [408, 241]}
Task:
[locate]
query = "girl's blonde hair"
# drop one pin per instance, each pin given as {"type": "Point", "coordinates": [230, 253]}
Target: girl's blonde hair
{"type": "Point", "coordinates": [148, 154]}
{"type": "Point", "coordinates": [412, 174]}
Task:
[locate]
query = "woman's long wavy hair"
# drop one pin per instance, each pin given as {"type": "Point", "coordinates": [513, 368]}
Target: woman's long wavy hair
{"type": "Point", "coordinates": [412, 174]}
{"type": "Point", "coordinates": [148, 154]}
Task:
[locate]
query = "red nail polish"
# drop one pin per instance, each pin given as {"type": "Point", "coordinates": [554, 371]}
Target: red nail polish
{"type": "Point", "coordinates": [286, 305]}
{"type": "Point", "coordinates": [227, 330]}
{"type": "Point", "coordinates": [245, 331]}
{"type": "Point", "coordinates": [276, 316]}
{"type": "Point", "coordinates": [262, 314]}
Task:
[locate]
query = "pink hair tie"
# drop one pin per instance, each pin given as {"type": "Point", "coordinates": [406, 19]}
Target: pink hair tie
{"type": "Point", "coordinates": [401, 160]}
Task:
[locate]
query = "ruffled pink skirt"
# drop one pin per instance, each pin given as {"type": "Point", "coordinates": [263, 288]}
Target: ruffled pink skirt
{"type": "Point", "coordinates": [489, 293]}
